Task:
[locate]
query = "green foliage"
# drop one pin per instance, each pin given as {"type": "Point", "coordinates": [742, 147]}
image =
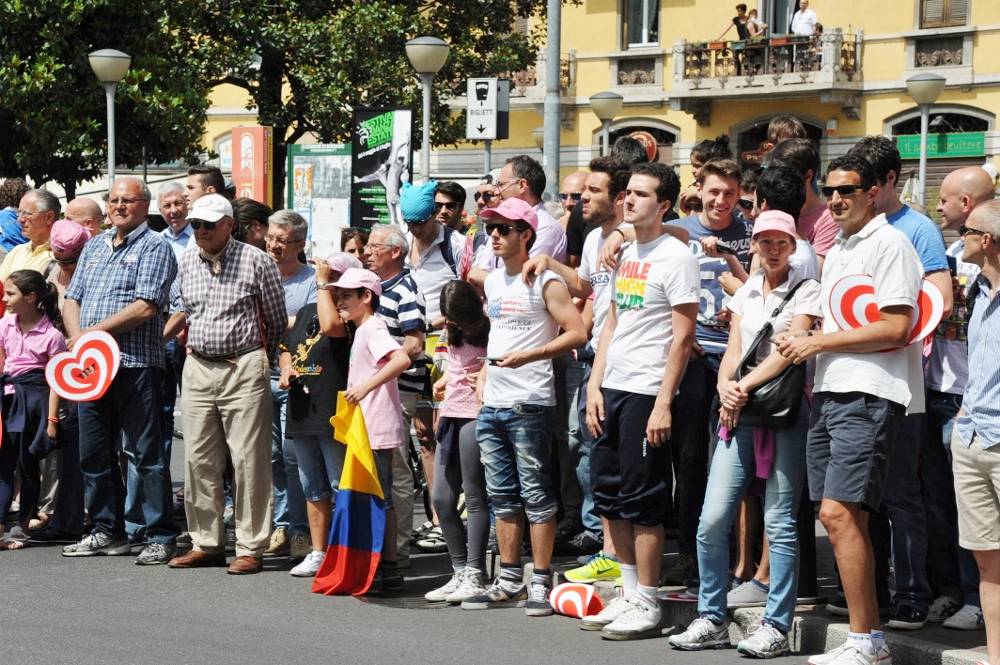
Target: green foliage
{"type": "Point", "coordinates": [52, 107]}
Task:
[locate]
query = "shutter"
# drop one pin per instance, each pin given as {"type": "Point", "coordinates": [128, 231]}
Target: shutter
{"type": "Point", "coordinates": [932, 13]}
{"type": "Point", "coordinates": [521, 26]}
{"type": "Point", "coordinates": [959, 13]}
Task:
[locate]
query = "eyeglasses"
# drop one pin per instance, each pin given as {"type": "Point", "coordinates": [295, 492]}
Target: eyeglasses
{"type": "Point", "coordinates": [124, 202]}
{"type": "Point", "coordinates": [576, 196]}
{"type": "Point", "coordinates": [843, 190]}
{"type": "Point", "coordinates": [485, 196]}
{"type": "Point", "coordinates": [450, 206]}
{"type": "Point", "coordinates": [504, 229]}
{"type": "Point", "coordinates": [501, 185]}
{"type": "Point", "coordinates": [376, 245]}
{"type": "Point", "coordinates": [284, 242]}
{"type": "Point", "coordinates": [964, 230]}
{"type": "Point", "coordinates": [199, 224]}
{"type": "Point", "coordinates": [28, 213]}
{"type": "Point", "coordinates": [746, 204]}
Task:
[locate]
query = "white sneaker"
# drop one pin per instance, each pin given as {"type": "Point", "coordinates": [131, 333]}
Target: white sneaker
{"type": "Point", "coordinates": [881, 657]}
{"type": "Point", "coordinates": [640, 619]}
{"type": "Point", "coordinates": [942, 608]}
{"type": "Point", "coordinates": [441, 594]}
{"type": "Point", "coordinates": [703, 633]}
{"type": "Point", "coordinates": [470, 585]}
{"type": "Point", "coordinates": [309, 566]}
{"type": "Point", "coordinates": [969, 617]}
{"type": "Point", "coordinates": [611, 611]}
{"type": "Point", "coordinates": [764, 641]}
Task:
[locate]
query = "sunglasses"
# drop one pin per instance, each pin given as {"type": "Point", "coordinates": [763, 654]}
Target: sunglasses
{"type": "Point", "coordinates": [198, 224]}
{"type": "Point", "coordinates": [484, 196]}
{"type": "Point", "coordinates": [450, 206]}
{"type": "Point", "coordinates": [843, 190]}
{"type": "Point", "coordinates": [504, 229]}
{"type": "Point", "coordinates": [964, 230]}
{"type": "Point", "coordinates": [746, 204]}
{"type": "Point", "coordinates": [576, 196]}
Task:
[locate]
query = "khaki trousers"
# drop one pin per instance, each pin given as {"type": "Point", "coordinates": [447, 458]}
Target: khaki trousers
{"type": "Point", "coordinates": [226, 405]}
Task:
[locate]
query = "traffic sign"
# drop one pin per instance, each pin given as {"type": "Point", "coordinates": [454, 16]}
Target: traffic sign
{"type": "Point", "coordinates": [487, 113]}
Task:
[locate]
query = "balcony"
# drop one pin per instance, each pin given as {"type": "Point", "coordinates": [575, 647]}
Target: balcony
{"type": "Point", "coordinates": [828, 66]}
{"type": "Point", "coordinates": [530, 83]}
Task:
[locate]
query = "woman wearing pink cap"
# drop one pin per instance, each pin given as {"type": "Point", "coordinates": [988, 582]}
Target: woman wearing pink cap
{"type": "Point", "coordinates": [756, 458]}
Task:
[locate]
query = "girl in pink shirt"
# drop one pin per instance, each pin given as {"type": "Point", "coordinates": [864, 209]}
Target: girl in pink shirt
{"type": "Point", "coordinates": [30, 334]}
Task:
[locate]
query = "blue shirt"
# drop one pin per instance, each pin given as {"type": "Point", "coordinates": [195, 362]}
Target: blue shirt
{"type": "Point", "coordinates": [924, 235]}
{"type": "Point", "coordinates": [300, 289]}
{"type": "Point", "coordinates": [711, 333]}
{"type": "Point", "coordinates": [178, 242]}
{"type": "Point", "coordinates": [108, 279]}
{"type": "Point", "coordinates": [981, 405]}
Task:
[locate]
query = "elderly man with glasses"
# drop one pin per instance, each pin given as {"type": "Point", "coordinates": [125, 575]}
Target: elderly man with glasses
{"type": "Point", "coordinates": [37, 212]}
{"type": "Point", "coordinates": [121, 286]}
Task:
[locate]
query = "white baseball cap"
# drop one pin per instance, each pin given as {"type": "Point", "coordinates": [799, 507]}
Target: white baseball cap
{"type": "Point", "coordinates": [210, 208]}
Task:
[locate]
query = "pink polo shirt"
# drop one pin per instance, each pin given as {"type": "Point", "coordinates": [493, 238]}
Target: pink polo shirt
{"type": "Point", "coordinates": [381, 408]}
{"type": "Point", "coordinates": [24, 352]}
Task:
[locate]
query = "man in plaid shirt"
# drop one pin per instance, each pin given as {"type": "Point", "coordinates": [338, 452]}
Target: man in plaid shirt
{"type": "Point", "coordinates": [235, 306]}
{"type": "Point", "coordinates": [120, 286]}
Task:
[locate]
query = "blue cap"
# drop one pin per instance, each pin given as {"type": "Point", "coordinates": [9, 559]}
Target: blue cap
{"type": "Point", "coordinates": [417, 202]}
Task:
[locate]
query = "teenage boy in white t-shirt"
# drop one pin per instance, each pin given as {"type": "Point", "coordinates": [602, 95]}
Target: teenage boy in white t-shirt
{"type": "Point", "coordinates": [641, 357]}
{"type": "Point", "coordinates": [518, 393]}
{"type": "Point", "coordinates": [865, 379]}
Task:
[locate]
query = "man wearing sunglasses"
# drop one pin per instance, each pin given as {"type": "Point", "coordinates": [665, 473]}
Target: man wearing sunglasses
{"type": "Point", "coordinates": [866, 377]}
{"type": "Point", "coordinates": [518, 390]}
{"type": "Point", "coordinates": [121, 286]}
{"type": "Point", "coordinates": [449, 205]}
{"type": "Point", "coordinates": [235, 306]}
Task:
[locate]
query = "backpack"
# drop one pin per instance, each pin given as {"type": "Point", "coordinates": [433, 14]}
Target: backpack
{"type": "Point", "coordinates": [447, 252]}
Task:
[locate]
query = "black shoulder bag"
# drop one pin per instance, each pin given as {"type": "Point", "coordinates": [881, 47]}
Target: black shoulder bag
{"type": "Point", "coordinates": [775, 404]}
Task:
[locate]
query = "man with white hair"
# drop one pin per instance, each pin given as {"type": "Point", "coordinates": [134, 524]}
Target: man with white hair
{"type": "Point", "coordinates": [37, 212]}
{"type": "Point", "coordinates": [174, 207]}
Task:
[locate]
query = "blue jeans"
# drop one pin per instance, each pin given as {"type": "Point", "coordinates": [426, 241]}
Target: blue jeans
{"type": "Point", "coordinates": [731, 472]}
{"type": "Point", "coordinates": [588, 510]}
{"type": "Point", "coordinates": [131, 407]}
{"type": "Point", "coordinates": [320, 461]}
{"type": "Point", "coordinates": [514, 443]}
{"type": "Point", "coordinates": [951, 569]}
{"type": "Point", "coordinates": [289, 501]}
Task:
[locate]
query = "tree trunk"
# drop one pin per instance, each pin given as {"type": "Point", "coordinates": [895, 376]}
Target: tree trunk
{"type": "Point", "coordinates": [70, 189]}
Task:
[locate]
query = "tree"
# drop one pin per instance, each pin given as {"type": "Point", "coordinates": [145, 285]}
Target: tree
{"type": "Point", "coordinates": [307, 63]}
{"type": "Point", "coordinates": [52, 108]}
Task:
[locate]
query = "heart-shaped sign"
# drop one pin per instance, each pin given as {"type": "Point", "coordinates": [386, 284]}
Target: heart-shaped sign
{"type": "Point", "coordinates": [85, 373]}
{"type": "Point", "coordinates": [853, 305]}
{"type": "Point", "coordinates": [575, 600]}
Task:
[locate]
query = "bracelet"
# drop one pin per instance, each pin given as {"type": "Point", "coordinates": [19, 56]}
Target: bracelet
{"type": "Point", "coordinates": [321, 285]}
{"type": "Point", "coordinates": [54, 421]}
{"type": "Point", "coordinates": [619, 231]}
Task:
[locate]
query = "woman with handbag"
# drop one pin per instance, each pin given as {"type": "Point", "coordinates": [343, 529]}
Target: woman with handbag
{"type": "Point", "coordinates": [761, 448]}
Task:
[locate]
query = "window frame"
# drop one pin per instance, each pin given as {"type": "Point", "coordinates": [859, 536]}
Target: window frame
{"type": "Point", "coordinates": [626, 34]}
{"type": "Point", "coordinates": [947, 7]}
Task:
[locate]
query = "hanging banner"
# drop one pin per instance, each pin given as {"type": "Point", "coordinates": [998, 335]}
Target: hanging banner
{"type": "Point", "coordinates": [253, 163]}
{"type": "Point", "coordinates": [319, 189]}
{"type": "Point", "coordinates": [381, 154]}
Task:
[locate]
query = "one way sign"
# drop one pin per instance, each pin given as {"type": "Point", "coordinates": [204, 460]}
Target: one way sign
{"type": "Point", "coordinates": [487, 114]}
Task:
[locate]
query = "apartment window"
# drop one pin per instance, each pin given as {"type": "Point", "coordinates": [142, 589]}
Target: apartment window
{"type": "Point", "coordinates": [642, 22]}
{"type": "Point", "coordinates": [943, 13]}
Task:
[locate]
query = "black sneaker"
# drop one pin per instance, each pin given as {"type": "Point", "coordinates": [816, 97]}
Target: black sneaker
{"type": "Point", "coordinates": [387, 579]}
{"type": "Point", "coordinates": [907, 617]}
{"type": "Point", "coordinates": [567, 529]}
{"type": "Point", "coordinates": [683, 571]}
{"type": "Point", "coordinates": [583, 543]}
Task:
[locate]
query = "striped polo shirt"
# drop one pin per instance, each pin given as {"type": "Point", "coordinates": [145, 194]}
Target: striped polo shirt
{"type": "Point", "coordinates": [401, 306]}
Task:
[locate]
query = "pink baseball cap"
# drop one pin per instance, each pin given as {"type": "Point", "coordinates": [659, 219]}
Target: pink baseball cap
{"type": "Point", "coordinates": [359, 278]}
{"type": "Point", "coordinates": [342, 261]}
{"type": "Point", "coordinates": [514, 210]}
{"type": "Point", "coordinates": [68, 237]}
{"type": "Point", "coordinates": [774, 220]}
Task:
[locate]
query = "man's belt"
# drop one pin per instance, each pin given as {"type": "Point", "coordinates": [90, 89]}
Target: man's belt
{"type": "Point", "coordinates": [229, 357]}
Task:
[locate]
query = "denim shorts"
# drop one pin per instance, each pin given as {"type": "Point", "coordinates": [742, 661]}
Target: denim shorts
{"type": "Point", "coordinates": [321, 461]}
{"type": "Point", "coordinates": [383, 463]}
{"type": "Point", "coordinates": [515, 446]}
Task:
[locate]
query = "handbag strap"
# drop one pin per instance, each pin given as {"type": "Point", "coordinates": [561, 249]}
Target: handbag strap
{"type": "Point", "coordinates": [766, 329]}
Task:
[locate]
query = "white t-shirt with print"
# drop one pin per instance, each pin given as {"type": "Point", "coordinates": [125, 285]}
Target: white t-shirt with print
{"type": "Point", "coordinates": [887, 255]}
{"type": "Point", "coordinates": [599, 278]}
{"type": "Point", "coordinates": [651, 279]}
{"type": "Point", "coordinates": [755, 309]}
{"type": "Point", "coordinates": [519, 321]}
{"type": "Point", "coordinates": [947, 368]}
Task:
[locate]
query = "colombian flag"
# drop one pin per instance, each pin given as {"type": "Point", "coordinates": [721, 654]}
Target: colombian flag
{"type": "Point", "coordinates": [355, 545]}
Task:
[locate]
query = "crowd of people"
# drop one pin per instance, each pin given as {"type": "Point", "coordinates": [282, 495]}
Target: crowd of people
{"type": "Point", "coordinates": [589, 382]}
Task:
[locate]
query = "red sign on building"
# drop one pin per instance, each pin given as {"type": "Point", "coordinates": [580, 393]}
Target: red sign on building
{"type": "Point", "coordinates": [252, 163]}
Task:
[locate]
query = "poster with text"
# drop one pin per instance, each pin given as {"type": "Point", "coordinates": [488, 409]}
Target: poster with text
{"type": "Point", "coordinates": [319, 189]}
{"type": "Point", "coordinates": [382, 151]}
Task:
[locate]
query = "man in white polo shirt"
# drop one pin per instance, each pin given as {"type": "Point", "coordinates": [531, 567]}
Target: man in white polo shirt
{"type": "Point", "coordinates": [865, 379]}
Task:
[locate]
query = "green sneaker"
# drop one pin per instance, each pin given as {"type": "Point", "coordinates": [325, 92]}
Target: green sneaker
{"type": "Point", "coordinates": [599, 568]}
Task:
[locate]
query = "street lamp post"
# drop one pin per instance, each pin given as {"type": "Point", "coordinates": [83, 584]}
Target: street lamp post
{"type": "Point", "coordinates": [110, 66]}
{"type": "Point", "coordinates": [924, 89]}
{"type": "Point", "coordinates": [606, 106]}
{"type": "Point", "coordinates": [427, 56]}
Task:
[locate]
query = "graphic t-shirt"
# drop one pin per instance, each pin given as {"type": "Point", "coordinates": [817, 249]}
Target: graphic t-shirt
{"type": "Point", "coordinates": [322, 365]}
{"type": "Point", "coordinates": [652, 278]}
{"type": "Point", "coordinates": [519, 321]}
{"type": "Point", "coordinates": [947, 368]}
{"type": "Point", "coordinates": [381, 408]}
{"type": "Point", "coordinates": [712, 333]}
{"type": "Point", "coordinates": [600, 281]}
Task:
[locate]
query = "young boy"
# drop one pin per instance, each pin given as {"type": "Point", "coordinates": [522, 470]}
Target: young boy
{"type": "Point", "coordinates": [376, 361]}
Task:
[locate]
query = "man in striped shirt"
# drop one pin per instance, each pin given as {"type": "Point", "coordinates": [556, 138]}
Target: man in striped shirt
{"type": "Point", "coordinates": [402, 308]}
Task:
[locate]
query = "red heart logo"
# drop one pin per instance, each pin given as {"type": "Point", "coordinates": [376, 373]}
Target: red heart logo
{"type": "Point", "coordinates": [575, 600]}
{"type": "Point", "coordinates": [853, 305]}
{"type": "Point", "coordinates": [85, 373]}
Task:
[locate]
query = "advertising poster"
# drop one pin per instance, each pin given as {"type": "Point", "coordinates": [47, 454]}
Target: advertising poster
{"type": "Point", "coordinates": [252, 156]}
{"type": "Point", "coordinates": [319, 189]}
{"type": "Point", "coordinates": [382, 152]}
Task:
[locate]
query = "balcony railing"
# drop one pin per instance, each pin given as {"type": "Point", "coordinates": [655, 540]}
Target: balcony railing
{"type": "Point", "coordinates": [784, 59]}
{"type": "Point", "coordinates": [530, 82]}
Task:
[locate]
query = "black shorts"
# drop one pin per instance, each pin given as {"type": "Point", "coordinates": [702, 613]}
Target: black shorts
{"type": "Point", "coordinates": [628, 474]}
{"type": "Point", "coordinates": [849, 446]}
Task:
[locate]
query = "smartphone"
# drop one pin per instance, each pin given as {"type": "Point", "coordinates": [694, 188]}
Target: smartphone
{"type": "Point", "coordinates": [489, 361]}
{"type": "Point", "coordinates": [724, 248]}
